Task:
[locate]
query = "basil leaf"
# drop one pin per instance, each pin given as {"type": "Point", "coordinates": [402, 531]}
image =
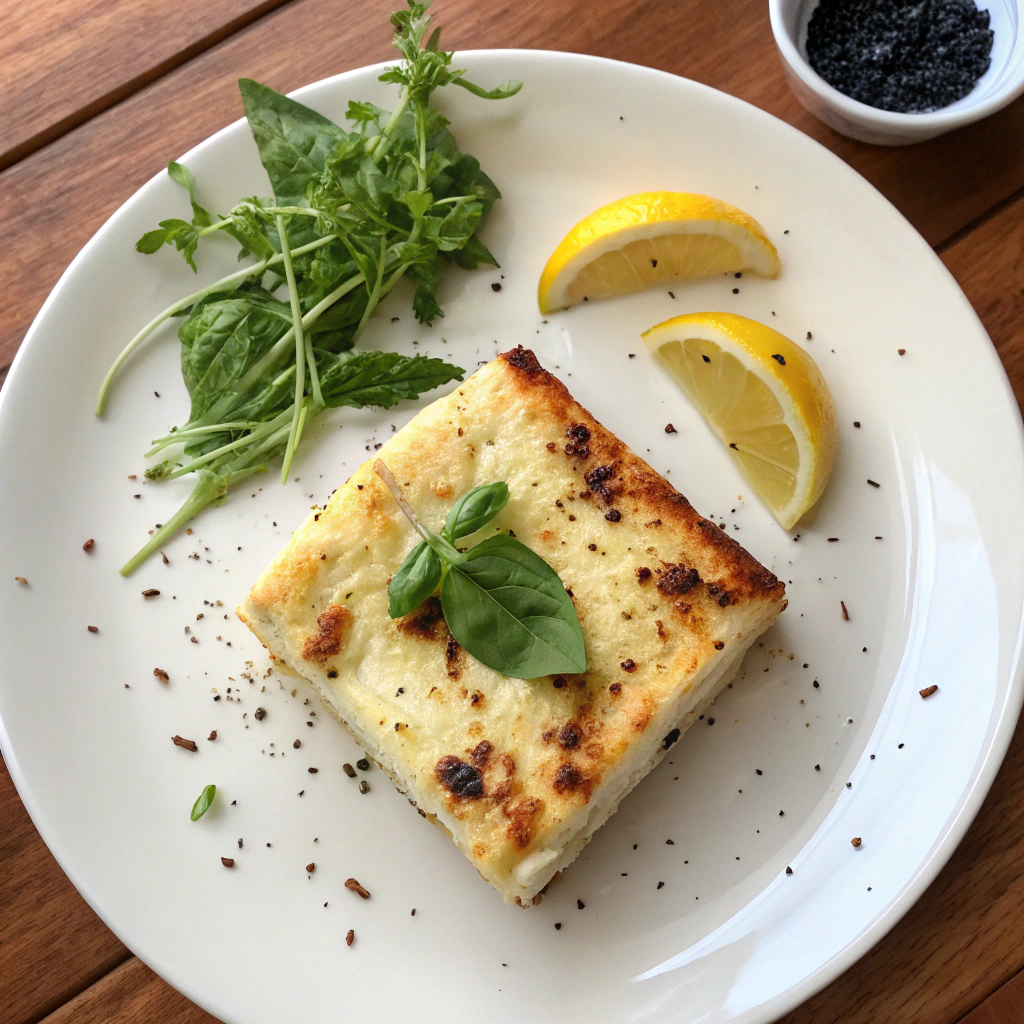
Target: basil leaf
{"type": "Point", "coordinates": [508, 608]}
{"type": "Point", "coordinates": [415, 581]}
{"type": "Point", "coordinates": [293, 140]}
{"type": "Point", "coordinates": [475, 509]}
{"type": "Point", "coordinates": [222, 339]}
{"type": "Point", "coordinates": [202, 805]}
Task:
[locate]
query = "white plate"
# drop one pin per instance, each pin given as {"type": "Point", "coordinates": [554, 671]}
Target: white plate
{"type": "Point", "coordinates": [730, 936]}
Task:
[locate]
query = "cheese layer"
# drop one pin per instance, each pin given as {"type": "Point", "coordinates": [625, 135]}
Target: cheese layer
{"type": "Point", "coordinates": [519, 772]}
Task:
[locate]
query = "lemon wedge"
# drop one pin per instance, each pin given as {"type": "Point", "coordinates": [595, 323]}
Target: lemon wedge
{"type": "Point", "coordinates": [652, 238]}
{"type": "Point", "coordinates": [763, 395]}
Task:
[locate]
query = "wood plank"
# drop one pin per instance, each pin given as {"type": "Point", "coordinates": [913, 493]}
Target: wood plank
{"type": "Point", "coordinates": [67, 189]}
{"type": "Point", "coordinates": [53, 945]}
{"type": "Point", "coordinates": [1004, 1006]}
{"type": "Point", "coordinates": [53, 80]}
{"type": "Point", "coordinates": [965, 937]}
{"type": "Point", "coordinates": [130, 994]}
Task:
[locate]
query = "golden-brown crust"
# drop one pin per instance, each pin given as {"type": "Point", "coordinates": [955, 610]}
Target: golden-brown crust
{"type": "Point", "coordinates": [332, 625]}
{"type": "Point", "coordinates": [635, 486]}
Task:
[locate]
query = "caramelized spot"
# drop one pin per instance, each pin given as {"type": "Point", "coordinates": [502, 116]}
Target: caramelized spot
{"type": "Point", "coordinates": [551, 446]}
{"type": "Point", "coordinates": [426, 623]}
{"type": "Point", "coordinates": [462, 780]}
{"type": "Point", "coordinates": [481, 753]}
{"type": "Point", "coordinates": [677, 580]}
{"type": "Point", "coordinates": [476, 698]}
{"type": "Point", "coordinates": [615, 688]}
{"type": "Point", "coordinates": [662, 632]}
{"type": "Point", "coordinates": [599, 481]}
{"type": "Point", "coordinates": [442, 488]}
{"type": "Point", "coordinates": [569, 737]}
{"type": "Point", "coordinates": [567, 778]}
{"type": "Point", "coordinates": [332, 625]}
{"type": "Point", "coordinates": [643, 574]}
{"type": "Point", "coordinates": [629, 665]}
{"type": "Point", "coordinates": [453, 658]}
{"type": "Point", "coordinates": [521, 816]}
{"type": "Point", "coordinates": [522, 359]}
{"type": "Point", "coordinates": [578, 445]}
{"type": "Point", "coordinates": [479, 851]}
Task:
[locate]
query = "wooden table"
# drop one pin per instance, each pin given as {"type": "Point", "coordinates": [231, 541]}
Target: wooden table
{"type": "Point", "coordinates": [97, 96]}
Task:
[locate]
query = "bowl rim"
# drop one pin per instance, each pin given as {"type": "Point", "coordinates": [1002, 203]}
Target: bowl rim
{"type": "Point", "coordinates": [863, 112]}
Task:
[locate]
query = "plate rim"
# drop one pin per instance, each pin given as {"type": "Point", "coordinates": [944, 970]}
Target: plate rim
{"type": "Point", "coordinates": [1005, 717]}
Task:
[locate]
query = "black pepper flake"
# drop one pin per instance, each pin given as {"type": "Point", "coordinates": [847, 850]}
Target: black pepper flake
{"type": "Point", "coordinates": [735, 291]}
{"type": "Point", "coordinates": [758, 771]}
{"type": "Point", "coordinates": [780, 359]}
{"type": "Point", "coordinates": [856, 423]}
{"type": "Point", "coordinates": [873, 484]}
{"type": "Point", "coordinates": [707, 359]}
{"type": "Point", "coordinates": [782, 814]}
{"type": "Point", "coordinates": [259, 714]}
{"type": "Point", "coordinates": [711, 721]}
{"type": "Point", "coordinates": [364, 786]}
{"type": "Point", "coordinates": [312, 771]}
{"type": "Point", "coordinates": [296, 744]}
{"type": "Point", "coordinates": [816, 684]}
{"type": "Point", "coordinates": [363, 765]}
{"type": "Point", "coordinates": [580, 905]}
{"type": "Point", "coordinates": [495, 286]}
{"type": "Point", "coordinates": [661, 885]}
{"type": "Point", "coordinates": [558, 926]}
{"type": "Point", "coordinates": [669, 429]}
{"type": "Point", "coordinates": [817, 767]}
{"type": "Point", "coordinates": [789, 870]}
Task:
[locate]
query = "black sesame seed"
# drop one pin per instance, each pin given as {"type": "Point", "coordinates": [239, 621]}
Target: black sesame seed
{"type": "Point", "coordinates": [897, 56]}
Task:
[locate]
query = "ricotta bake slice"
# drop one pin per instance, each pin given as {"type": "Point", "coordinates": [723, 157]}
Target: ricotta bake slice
{"type": "Point", "coordinates": [520, 773]}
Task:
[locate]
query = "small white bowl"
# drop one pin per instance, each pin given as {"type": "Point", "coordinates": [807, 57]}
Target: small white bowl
{"type": "Point", "coordinates": [1000, 85]}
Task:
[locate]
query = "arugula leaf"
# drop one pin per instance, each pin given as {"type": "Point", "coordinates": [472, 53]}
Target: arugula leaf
{"type": "Point", "coordinates": [475, 509]}
{"type": "Point", "coordinates": [182, 234]}
{"type": "Point", "coordinates": [202, 805]}
{"type": "Point", "coordinates": [417, 579]}
{"type": "Point", "coordinates": [292, 139]}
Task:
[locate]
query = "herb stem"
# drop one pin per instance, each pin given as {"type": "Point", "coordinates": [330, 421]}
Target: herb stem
{"type": "Point", "coordinates": [188, 300]}
{"type": "Point", "coordinates": [300, 352]}
{"type": "Point", "coordinates": [231, 399]}
{"type": "Point", "coordinates": [446, 551]}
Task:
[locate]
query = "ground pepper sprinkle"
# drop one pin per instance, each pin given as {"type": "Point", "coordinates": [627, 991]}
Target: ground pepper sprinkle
{"type": "Point", "coordinates": [907, 56]}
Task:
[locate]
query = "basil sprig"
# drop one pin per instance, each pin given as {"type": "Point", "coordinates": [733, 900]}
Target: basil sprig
{"type": "Point", "coordinates": [202, 805]}
{"type": "Point", "coordinates": [502, 602]}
